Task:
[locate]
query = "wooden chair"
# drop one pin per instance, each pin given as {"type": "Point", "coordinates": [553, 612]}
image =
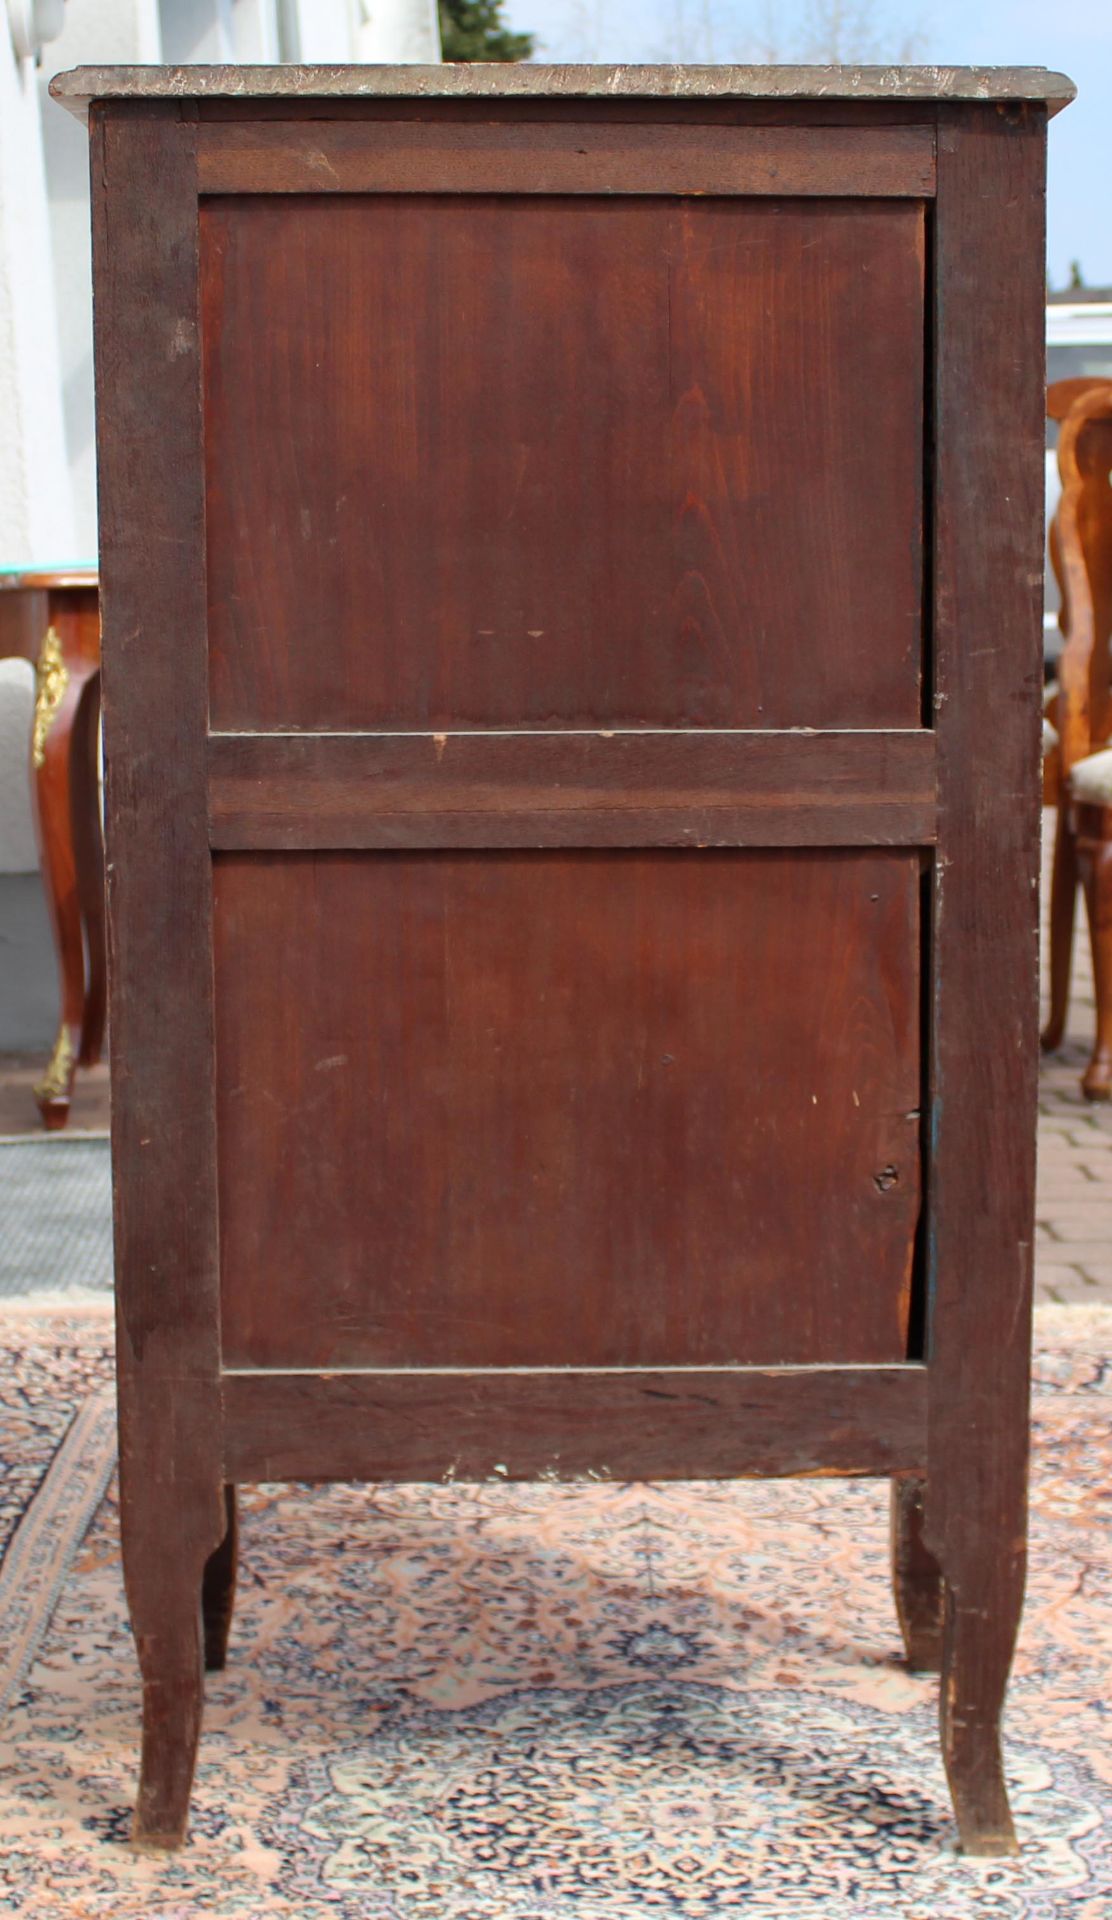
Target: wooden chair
{"type": "Point", "coordinates": [1081, 713]}
{"type": "Point", "coordinates": [1061, 395]}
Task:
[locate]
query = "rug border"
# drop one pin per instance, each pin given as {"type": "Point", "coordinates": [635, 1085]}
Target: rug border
{"type": "Point", "coordinates": [44, 1545]}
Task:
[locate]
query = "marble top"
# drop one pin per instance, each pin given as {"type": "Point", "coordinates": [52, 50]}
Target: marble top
{"type": "Point", "coordinates": [481, 80]}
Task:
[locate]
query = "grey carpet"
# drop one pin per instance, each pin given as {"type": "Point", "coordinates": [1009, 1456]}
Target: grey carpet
{"type": "Point", "coordinates": [55, 1217]}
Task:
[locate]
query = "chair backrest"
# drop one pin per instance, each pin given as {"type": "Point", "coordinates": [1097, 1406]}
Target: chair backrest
{"type": "Point", "coordinates": [1061, 394]}
{"type": "Point", "coordinates": [1081, 553]}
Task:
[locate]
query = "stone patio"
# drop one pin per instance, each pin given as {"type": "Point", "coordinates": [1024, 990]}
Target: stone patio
{"type": "Point", "coordinates": [1073, 1253]}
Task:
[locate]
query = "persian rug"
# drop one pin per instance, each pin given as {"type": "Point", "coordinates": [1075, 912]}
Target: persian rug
{"type": "Point", "coordinates": [548, 1703]}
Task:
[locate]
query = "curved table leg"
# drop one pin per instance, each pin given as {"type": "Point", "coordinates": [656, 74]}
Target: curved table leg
{"type": "Point", "coordinates": [218, 1589]}
{"type": "Point", "coordinates": [916, 1578]}
{"type": "Point", "coordinates": [68, 661]}
{"type": "Point", "coordinates": [88, 841]}
{"type": "Point", "coordinates": [1063, 899]}
{"type": "Point", "coordinates": [1096, 867]}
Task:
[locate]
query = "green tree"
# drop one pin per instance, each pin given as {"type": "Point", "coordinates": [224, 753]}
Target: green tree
{"type": "Point", "coordinates": [475, 30]}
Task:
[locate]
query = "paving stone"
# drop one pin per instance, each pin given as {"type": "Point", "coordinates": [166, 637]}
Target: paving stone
{"type": "Point", "coordinates": [1073, 1292]}
{"type": "Point", "coordinates": [1073, 1260]}
{"type": "Point", "coordinates": [1099, 1273]}
{"type": "Point", "coordinates": [1091, 1230]}
{"type": "Point", "coordinates": [1078, 1253]}
{"type": "Point", "coordinates": [1068, 1181]}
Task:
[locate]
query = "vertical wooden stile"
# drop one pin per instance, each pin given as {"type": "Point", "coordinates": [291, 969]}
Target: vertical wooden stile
{"type": "Point", "coordinates": [988, 428]}
{"type": "Point", "coordinates": [159, 915]}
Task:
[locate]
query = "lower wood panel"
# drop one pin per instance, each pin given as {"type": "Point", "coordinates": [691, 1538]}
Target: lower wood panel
{"type": "Point", "coordinates": [709, 1423]}
{"type": "Point", "coordinates": [591, 1109]}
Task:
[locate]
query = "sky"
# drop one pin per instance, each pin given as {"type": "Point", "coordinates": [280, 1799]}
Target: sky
{"type": "Point", "coordinates": [1070, 36]}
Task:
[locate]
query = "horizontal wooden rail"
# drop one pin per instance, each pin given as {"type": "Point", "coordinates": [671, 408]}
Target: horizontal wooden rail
{"type": "Point", "coordinates": [568, 1423]}
{"type": "Point", "coordinates": [440, 157]}
{"type": "Point", "coordinates": [666, 788]}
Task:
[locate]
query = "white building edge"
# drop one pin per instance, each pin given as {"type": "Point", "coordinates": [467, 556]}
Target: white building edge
{"type": "Point", "coordinates": [47, 456]}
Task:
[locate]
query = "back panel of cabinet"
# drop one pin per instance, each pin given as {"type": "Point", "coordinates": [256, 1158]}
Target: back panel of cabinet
{"type": "Point", "coordinates": [497, 463]}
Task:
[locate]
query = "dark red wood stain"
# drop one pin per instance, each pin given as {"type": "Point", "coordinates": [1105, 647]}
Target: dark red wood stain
{"type": "Point", "coordinates": [638, 788]}
{"type": "Point", "coordinates": [592, 1109]}
{"type": "Point", "coordinates": [528, 461]}
{"type": "Point", "coordinates": [518, 1036]}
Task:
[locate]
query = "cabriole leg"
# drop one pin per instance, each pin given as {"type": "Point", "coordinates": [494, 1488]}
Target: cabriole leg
{"type": "Point", "coordinates": [1097, 872]}
{"type": "Point", "coordinates": [1063, 899]}
{"type": "Point", "coordinates": [167, 1543]}
{"type": "Point", "coordinates": [172, 1699]}
{"type": "Point", "coordinates": [218, 1589]}
{"type": "Point", "coordinates": [89, 855]}
{"type": "Point", "coordinates": [916, 1577]}
{"type": "Point", "coordinates": [978, 1641]}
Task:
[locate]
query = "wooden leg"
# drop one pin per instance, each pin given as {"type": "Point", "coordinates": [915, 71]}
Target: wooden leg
{"type": "Point", "coordinates": [170, 1528]}
{"type": "Point", "coordinates": [173, 1694]}
{"type": "Point", "coordinates": [978, 1641]}
{"type": "Point", "coordinates": [54, 813]}
{"type": "Point", "coordinates": [67, 661]}
{"type": "Point", "coordinates": [218, 1589]}
{"type": "Point", "coordinates": [916, 1578]}
{"type": "Point", "coordinates": [89, 859]}
{"type": "Point", "coordinates": [1063, 898]}
{"type": "Point", "coordinates": [1096, 869]}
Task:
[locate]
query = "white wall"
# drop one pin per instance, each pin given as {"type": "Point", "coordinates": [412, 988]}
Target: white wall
{"type": "Point", "coordinates": [96, 32]}
{"type": "Point", "coordinates": [404, 30]}
{"type": "Point", "coordinates": [47, 440]}
{"type": "Point", "coordinates": [18, 853]}
{"type": "Point", "coordinates": [36, 499]}
{"type": "Point", "coordinates": [142, 32]}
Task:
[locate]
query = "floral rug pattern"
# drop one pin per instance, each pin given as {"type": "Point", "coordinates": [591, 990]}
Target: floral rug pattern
{"type": "Point", "coordinates": [582, 1703]}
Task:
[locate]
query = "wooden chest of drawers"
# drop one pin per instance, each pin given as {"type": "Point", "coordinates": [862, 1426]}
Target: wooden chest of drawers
{"type": "Point", "coordinates": [571, 556]}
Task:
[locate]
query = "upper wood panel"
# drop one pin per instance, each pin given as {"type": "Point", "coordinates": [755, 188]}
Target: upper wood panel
{"type": "Point", "coordinates": [497, 462]}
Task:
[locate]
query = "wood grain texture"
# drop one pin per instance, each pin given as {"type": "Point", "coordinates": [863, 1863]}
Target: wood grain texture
{"type": "Point", "coordinates": [617, 111]}
{"type": "Point", "coordinates": [159, 923]}
{"type": "Point", "coordinates": [675, 479]}
{"type": "Point", "coordinates": [565, 789]}
{"type": "Point", "coordinates": [572, 1109]}
{"type": "Point", "coordinates": [565, 157]}
{"type": "Point", "coordinates": [988, 659]}
{"type": "Point", "coordinates": [714, 1423]}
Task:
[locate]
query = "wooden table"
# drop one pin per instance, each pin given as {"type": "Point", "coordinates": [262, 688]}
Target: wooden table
{"type": "Point", "coordinates": [50, 617]}
{"type": "Point", "coordinates": [572, 551]}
